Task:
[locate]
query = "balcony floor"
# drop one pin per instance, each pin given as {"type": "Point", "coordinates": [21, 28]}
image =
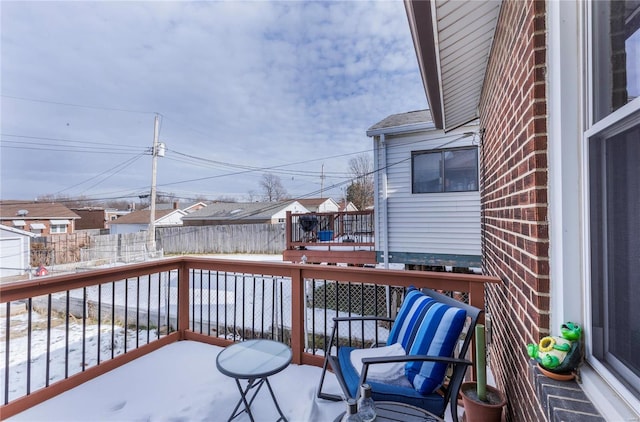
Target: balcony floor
{"type": "Point", "coordinates": [180, 382]}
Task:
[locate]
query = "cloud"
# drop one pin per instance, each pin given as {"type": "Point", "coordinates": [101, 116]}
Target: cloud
{"type": "Point", "coordinates": [257, 84]}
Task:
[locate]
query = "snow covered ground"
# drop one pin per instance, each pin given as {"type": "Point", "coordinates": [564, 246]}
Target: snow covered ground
{"type": "Point", "coordinates": [180, 382]}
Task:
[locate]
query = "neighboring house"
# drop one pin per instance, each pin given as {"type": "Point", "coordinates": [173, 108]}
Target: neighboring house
{"type": "Point", "coordinates": [91, 218]}
{"type": "Point", "coordinates": [97, 217]}
{"type": "Point", "coordinates": [428, 200]}
{"type": "Point", "coordinates": [555, 86]}
{"type": "Point", "coordinates": [345, 205]}
{"type": "Point", "coordinates": [15, 249]}
{"type": "Point", "coordinates": [112, 214]}
{"type": "Point", "coordinates": [41, 218]}
{"type": "Point", "coordinates": [175, 205]}
{"type": "Point", "coordinates": [138, 221]}
{"type": "Point", "coordinates": [319, 204]}
{"type": "Point", "coordinates": [221, 213]}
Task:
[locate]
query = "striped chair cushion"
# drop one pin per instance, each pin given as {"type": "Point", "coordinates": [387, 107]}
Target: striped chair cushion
{"type": "Point", "coordinates": [408, 320]}
{"type": "Point", "coordinates": [436, 335]}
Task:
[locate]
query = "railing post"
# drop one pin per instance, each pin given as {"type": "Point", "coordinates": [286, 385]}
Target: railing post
{"type": "Point", "coordinates": [298, 316]}
{"type": "Point", "coordinates": [183, 299]}
{"type": "Point", "coordinates": [288, 232]}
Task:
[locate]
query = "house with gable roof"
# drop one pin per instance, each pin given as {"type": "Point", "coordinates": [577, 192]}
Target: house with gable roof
{"type": "Point", "coordinates": [319, 204]}
{"type": "Point", "coordinates": [345, 205]}
{"type": "Point", "coordinates": [176, 205]}
{"type": "Point", "coordinates": [138, 221]}
{"type": "Point", "coordinates": [427, 198]}
{"type": "Point", "coordinates": [222, 213]}
{"type": "Point", "coordinates": [41, 218]}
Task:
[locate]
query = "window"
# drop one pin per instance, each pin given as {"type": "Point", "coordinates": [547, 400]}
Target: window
{"type": "Point", "coordinates": [453, 170]}
{"type": "Point", "coordinates": [613, 154]}
{"type": "Point", "coordinates": [37, 228]}
{"type": "Point", "coordinates": [616, 48]}
{"type": "Point", "coordinates": [614, 189]}
{"type": "Point", "coordinates": [58, 228]}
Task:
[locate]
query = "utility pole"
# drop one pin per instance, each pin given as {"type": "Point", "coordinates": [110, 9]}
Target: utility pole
{"type": "Point", "coordinates": [151, 245]}
{"type": "Point", "coordinates": [322, 181]}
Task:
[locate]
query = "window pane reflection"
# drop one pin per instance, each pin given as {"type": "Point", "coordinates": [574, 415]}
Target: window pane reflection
{"type": "Point", "coordinates": [616, 46]}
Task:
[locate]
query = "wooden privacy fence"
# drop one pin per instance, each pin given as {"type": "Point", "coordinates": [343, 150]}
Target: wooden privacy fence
{"type": "Point", "coordinates": [58, 248]}
{"type": "Point", "coordinates": [129, 247]}
{"type": "Point", "coordinates": [234, 238]}
{"type": "Point", "coordinates": [87, 246]}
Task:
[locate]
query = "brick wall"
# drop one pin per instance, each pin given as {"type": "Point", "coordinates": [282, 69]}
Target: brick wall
{"type": "Point", "coordinates": [513, 114]}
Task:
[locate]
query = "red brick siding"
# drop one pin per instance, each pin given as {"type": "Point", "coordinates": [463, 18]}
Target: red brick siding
{"type": "Point", "coordinates": [513, 113]}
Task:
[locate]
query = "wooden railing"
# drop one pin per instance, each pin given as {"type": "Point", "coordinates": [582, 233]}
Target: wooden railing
{"type": "Point", "coordinates": [132, 310]}
{"type": "Point", "coordinates": [331, 237]}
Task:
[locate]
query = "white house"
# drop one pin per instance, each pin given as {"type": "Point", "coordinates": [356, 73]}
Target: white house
{"type": "Point", "coordinates": [15, 248]}
{"type": "Point", "coordinates": [138, 221]}
{"type": "Point", "coordinates": [222, 213]}
{"type": "Point", "coordinates": [320, 204]}
{"type": "Point", "coordinates": [427, 200]}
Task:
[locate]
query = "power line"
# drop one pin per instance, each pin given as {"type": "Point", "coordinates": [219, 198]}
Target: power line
{"type": "Point", "coordinates": [34, 100]}
{"type": "Point", "coordinates": [44, 147]}
{"type": "Point", "coordinates": [119, 168]}
{"type": "Point", "coordinates": [72, 141]}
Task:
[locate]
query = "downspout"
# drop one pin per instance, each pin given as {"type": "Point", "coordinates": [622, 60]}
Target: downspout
{"type": "Point", "coordinates": [383, 207]}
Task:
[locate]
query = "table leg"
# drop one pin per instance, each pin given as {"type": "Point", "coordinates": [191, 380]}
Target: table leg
{"type": "Point", "coordinates": [247, 404]}
{"type": "Point", "coordinates": [282, 417]}
{"type": "Point", "coordinates": [243, 398]}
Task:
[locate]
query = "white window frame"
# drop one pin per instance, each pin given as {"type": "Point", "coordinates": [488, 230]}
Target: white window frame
{"type": "Point", "coordinates": [611, 123]}
{"type": "Point", "coordinates": [57, 228]}
{"type": "Point", "coordinates": [442, 153]}
{"type": "Point", "coordinates": [570, 101]}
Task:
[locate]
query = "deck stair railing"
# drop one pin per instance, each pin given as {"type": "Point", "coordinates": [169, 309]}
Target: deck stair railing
{"type": "Point", "coordinates": [58, 332]}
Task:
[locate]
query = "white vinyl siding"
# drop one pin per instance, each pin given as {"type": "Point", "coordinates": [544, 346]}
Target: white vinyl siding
{"type": "Point", "coordinates": [428, 223]}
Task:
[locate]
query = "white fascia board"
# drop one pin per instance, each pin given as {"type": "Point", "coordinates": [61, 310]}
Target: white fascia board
{"type": "Point", "coordinates": [416, 127]}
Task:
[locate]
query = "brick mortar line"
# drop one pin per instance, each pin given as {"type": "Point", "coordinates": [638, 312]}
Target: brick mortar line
{"type": "Point", "coordinates": [517, 248]}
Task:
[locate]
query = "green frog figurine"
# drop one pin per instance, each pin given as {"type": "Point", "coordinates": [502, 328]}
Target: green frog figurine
{"type": "Point", "coordinates": [559, 354]}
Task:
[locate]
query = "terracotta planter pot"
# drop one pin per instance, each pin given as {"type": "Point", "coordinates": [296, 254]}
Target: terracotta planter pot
{"type": "Point", "coordinates": [479, 411]}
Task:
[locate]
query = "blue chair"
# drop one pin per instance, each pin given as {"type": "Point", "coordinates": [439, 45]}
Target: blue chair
{"type": "Point", "coordinates": [435, 331]}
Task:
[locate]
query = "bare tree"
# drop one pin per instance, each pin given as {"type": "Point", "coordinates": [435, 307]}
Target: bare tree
{"type": "Point", "coordinates": [360, 191]}
{"type": "Point", "coordinates": [226, 198]}
{"type": "Point", "coordinates": [272, 188]}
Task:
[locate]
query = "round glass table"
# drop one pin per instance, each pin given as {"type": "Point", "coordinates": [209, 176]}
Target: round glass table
{"type": "Point", "coordinates": [389, 411]}
{"type": "Point", "coordinates": [254, 361]}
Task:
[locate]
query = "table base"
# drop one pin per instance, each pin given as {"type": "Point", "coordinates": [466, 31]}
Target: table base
{"type": "Point", "coordinates": [256, 383]}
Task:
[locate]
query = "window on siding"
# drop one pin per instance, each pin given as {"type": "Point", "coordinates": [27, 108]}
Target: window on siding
{"type": "Point", "coordinates": [58, 228]}
{"type": "Point", "coordinates": [452, 170]}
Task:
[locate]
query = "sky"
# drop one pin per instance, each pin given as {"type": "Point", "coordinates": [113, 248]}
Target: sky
{"type": "Point", "coordinates": [241, 89]}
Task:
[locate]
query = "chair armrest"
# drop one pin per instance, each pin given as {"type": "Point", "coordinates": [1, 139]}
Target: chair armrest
{"type": "Point", "coordinates": [411, 358]}
{"type": "Point", "coordinates": [362, 318]}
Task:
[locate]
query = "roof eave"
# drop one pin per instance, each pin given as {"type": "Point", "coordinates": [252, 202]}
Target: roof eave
{"type": "Point", "coordinates": [449, 38]}
{"type": "Point", "coordinates": [415, 127]}
{"type": "Point", "coordinates": [421, 25]}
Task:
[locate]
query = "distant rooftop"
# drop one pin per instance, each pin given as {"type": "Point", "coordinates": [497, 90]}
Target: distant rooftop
{"type": "Point", "coordinates": [25, 210]}
{"type": "Point", "coordinates": [238, 210]}
{"type": "Point", "coordinates": [402, 119]}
